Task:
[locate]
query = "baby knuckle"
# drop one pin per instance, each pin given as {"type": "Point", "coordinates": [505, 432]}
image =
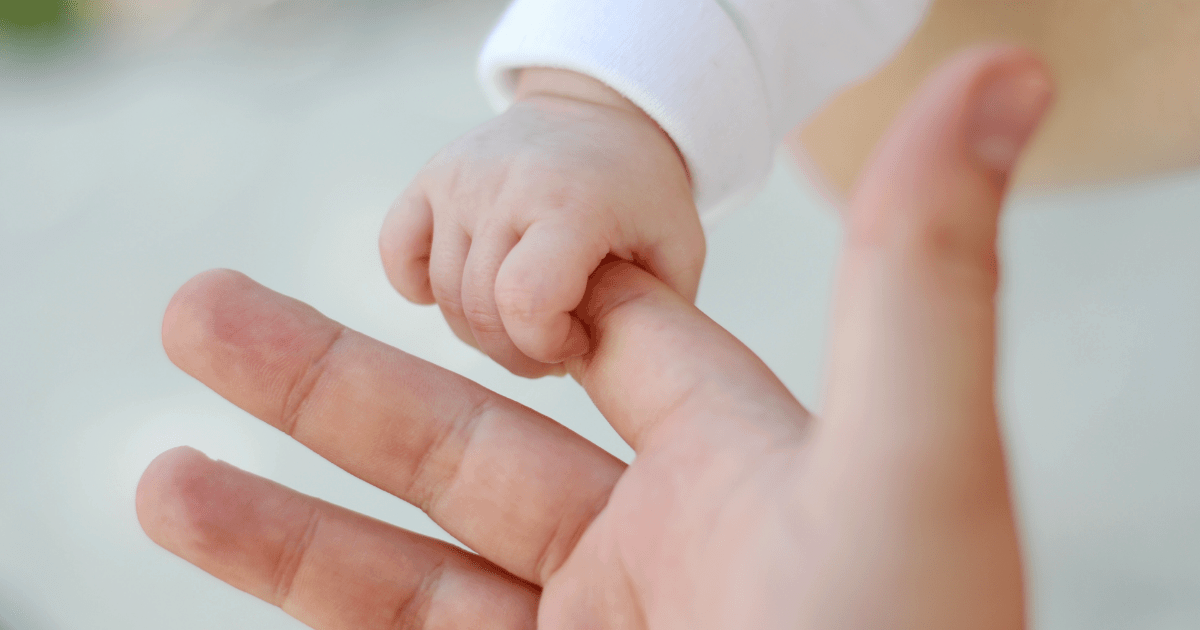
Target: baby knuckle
{"type": "Point", "coordinates": [449, 304]}
{"type": "Point", "coordinates": [482, 319]}
{"type": "Point", "coordinates": [520, 299]}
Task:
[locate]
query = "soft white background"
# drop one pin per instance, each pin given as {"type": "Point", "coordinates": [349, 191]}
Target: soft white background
{"type": "Point", "coordinates": [273, 143]}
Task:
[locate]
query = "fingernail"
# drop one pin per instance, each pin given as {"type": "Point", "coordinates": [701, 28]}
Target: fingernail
{"type": "Point", "coordinates": [1008, 108]}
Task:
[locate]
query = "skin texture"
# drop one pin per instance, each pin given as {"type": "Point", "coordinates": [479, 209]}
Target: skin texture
{"type": "Point", "coordinates": [1128, 101]}
{"type": "Point", "coordinates": [741, 510]}
{"type": "Point", "coordinates": [503, 227]}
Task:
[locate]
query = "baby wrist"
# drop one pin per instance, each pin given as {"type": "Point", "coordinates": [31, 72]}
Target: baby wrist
{"type": "Point", "coordinates": [554, 82]}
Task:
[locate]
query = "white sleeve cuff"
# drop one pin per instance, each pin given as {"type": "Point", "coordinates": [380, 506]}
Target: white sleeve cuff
{"type": "Point", "coordinates": [684, 63]}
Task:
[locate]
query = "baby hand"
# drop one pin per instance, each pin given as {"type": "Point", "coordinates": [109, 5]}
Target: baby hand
{"type": "Point", "coordinates": [503, 227]}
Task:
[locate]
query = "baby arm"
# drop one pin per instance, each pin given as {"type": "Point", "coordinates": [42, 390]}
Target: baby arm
{"type": "Point", "coordinates": [689, 100]}
{"type": "Point", "coordinates": [503, 227]}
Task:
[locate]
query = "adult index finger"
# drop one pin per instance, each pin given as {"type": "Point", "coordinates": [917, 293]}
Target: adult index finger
{"type": "Point", "coordinates": [659, 368]}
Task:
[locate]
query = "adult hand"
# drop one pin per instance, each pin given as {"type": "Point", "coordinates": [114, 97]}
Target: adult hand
{"type": "Point", "coordinates": [741, 510]}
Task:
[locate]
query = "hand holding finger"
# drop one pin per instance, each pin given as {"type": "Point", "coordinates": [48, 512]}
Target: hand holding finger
{"type": "Point", "coordinates": [541, 281]}
{"type": "Point", "coordinates": [509, 221]}
{"type": "Point", "coordinates": [892, 511]}
{"type": "Point", "coordinates": [658, 363]}
{"type": "Point", "coordinates": [489, 250]}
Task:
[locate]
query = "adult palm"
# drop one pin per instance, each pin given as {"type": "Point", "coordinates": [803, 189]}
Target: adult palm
{"type": "Point", "coordinates": [741, 510]}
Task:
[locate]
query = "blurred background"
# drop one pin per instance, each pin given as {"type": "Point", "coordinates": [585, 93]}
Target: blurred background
{"type": "Point", "coordinates": [144, 141]}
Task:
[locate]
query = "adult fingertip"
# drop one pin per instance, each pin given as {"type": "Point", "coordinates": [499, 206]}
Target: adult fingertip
{"type": "Point", "coordinates": [940, 174]}
{"type": "Point", "coordinates": [1007, 106]}
{"type": "Point", "coordinates": [191, 304]}
{"type": "Point", "coordinates": [161, 499]}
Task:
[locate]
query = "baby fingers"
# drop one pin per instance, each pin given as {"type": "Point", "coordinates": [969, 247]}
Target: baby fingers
{"type": "Point", "coordinates": [489, 248]}
{"type": "Point", "coordinates": [540, 282]}
{"type": "Point", "coordinates": [446, 262]}
{"type": "Point", "coordinates": [405, 244]}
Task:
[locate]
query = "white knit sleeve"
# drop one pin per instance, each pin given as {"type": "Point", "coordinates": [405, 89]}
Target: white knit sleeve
{"type": "Point", "coordinates": [726, 79]}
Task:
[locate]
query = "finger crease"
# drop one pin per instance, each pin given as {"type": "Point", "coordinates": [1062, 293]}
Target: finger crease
{"type": "Point", "coordinates": [301, 390]}
{"type": "Point", "coordinates": [635, 593]}
{"type": "Point", "coordinates": [292, 558]}
{"type": "Point", "coordinates": [543, 569]}
{"type": "Point", "coordinates": [426, 490]}
{"type": "Point", "coordinates": [413, 612]}
{"type": "Point", "coordinates": [666, 414]}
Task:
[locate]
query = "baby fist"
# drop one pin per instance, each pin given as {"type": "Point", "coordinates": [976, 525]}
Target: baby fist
{"type": "Point", "coordinates": [503, 227]}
